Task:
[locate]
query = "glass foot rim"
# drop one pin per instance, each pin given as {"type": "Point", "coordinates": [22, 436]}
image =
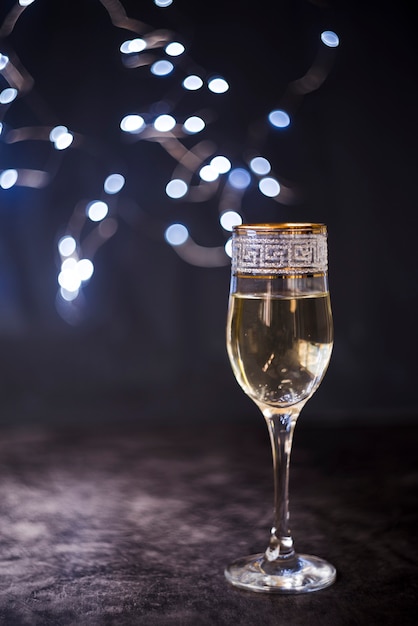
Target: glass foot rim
{"type": "Point", "coordinates": [309, 573]}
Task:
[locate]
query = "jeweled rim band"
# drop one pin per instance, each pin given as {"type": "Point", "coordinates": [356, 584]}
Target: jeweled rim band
{"type": "Point", "coordinates": [270, 249]}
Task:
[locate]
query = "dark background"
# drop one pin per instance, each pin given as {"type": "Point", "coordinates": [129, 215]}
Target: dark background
{"type": "Point", "coordinates": [150, 341]}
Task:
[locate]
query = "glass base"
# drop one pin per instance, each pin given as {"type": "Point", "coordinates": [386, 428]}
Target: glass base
{"type": "Point", "coordinates": [301, 574]}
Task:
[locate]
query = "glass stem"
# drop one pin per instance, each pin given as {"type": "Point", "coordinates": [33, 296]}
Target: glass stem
{"type": "Point", "coordinates": [281, 426]}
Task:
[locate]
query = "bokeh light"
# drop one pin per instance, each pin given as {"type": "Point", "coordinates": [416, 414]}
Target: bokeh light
{"type": "Point", "coordinates": [176, 234]}
{"type": "Point", "coordinates": [330, 39]}
{"type": "Point", "coordinates": [97, 210]}
{"type": "Point", "coordinates": [239, 178]}
{"type": "Point", "coordinates": [221, 164]}
{"type": "Point", "coordinates": [279, 118]}
{"type": "Point", "coordinates": [67, 245]}
{"type": "Point", "coordinates": [269, 187]}
{"type": "Point", "coordinates": [161, 68]}
{"type": "Point", "coordinates": [8, 95]}
{"type": "Point", "coordinates": [114, 183]}
{"type": "Point", "coordinates": [218, 85]}
{"type": "Point", "coordinates": [8, 178]}
{"type": "Point", "coordinates": [85, 269]}
{"type": "Point", "coordinates": [192, 82]}
{"type": "Point", "coordinates": [228, 247]}
{"type": "Point", "coordinates": [176, 188]}
{"type": "Point", "coordinates": [133, 45]}
{"type": "Point", "coordinates": [229, 219]}
{"type": "Point", "coordinates": [194, 124]}
{"type": "Point", "coordinates": [4, 59]}
{"type": "Point", "coordinates": [260, 165]}
{"type": "Point", "coordinates": [132, 123]}
{"type": "Point", "coordinates": [63, 141]}
{"type": "Point", "coordinates": [174, 49]}
{"type": "Point", "coordinates": [208, 173]}
{"type": "Point", "coordinates": [164, 123]}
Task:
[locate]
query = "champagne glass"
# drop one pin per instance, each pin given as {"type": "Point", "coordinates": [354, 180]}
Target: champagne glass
{"type": "Point", "coordinates": [279, 341]}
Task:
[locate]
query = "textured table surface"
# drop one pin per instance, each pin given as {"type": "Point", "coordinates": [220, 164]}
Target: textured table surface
{"type": "Point", "coordinates": [133, 524]}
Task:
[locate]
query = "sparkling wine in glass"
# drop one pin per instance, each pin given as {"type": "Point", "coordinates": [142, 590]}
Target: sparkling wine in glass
{"type": "Point", "coordinates": [279, 341]}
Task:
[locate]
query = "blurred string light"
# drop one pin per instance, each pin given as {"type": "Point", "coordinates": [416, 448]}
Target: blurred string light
{"type": "Point", "coordinates": [329, 38]}
{"type": "Point", "coordinates": [162, 68]}
{"type": "Point", "coordinates": [199, 172]}
{"type": "Point", "coordinates": [279, 118]}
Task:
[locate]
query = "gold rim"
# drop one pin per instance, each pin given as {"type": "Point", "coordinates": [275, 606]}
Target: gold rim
{"type": "Point", "coordinates": [282, 227]}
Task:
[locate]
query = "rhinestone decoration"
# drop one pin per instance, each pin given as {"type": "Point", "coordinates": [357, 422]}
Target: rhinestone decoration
{"type": "Point", "coordinates": [279, 253]}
